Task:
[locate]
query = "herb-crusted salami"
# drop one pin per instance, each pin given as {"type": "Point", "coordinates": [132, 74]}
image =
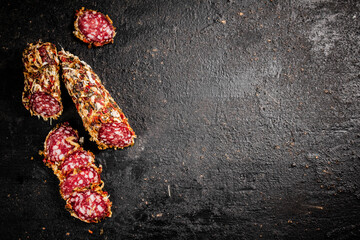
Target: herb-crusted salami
{"type": "Point", "coordinates": [101, 116]}
{"type": "Point", "coordinates": [77, 159]}
{"type": "Point", "coordinates": [90, 205]}
{"type": "Point", "coordinates": [93, 27]}
{"type": "Point", "coordinates": [41, 95]}
{"type": "Point", "coordinates": [59, 143]}
{"type": "Point", "coordinates": [80, 178]}
{"type": "Point", "coordinates": [80, 182]}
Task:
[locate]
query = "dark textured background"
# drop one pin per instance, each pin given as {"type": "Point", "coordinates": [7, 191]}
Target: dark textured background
{"type": "Point", "coordinates": [247, 116]}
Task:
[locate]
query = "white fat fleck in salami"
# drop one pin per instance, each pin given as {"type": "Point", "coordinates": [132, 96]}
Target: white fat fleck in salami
{"type": "Point", "coordinates": [115, 134]}
{"type": "Point", "coordinates": [84, 178]}
{"type": "Point", "coordinates": [77, 159]}
{"type": "Point", "coordinates": [60, 142]}
{"type": "Point", "coordinates": [89, 205]}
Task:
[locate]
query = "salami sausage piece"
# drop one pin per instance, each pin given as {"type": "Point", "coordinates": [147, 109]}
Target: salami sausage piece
{"type": "Point", "coordinates": [89, 205]}
{"type": "Point", "coordinates": [77, 159]}
{"type": "Point", "coordinates": [79, 178]}
{"type": "Point", "coordinates": [93, 27]}
{"type": "Point", "coordinates": [101, 116]}
{"type": "Point", "coordinates": [41, 95]}
{"type": "Point", "coordinates": [59, 143]}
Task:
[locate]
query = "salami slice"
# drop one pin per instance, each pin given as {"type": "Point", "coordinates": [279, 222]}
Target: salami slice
{"type": "Point", "coordinates": [89, 205]}
{"type": "Point", "coordinates": [80, 178]}
{"type": "Point", "coordinates": [77, 159]}
{"type": "Point", "coordinates": [101, 116]}
{"type": "Point", "coordinates": [59, 143]}
{"type": "Point", "coordinates": [93, 27]}
{"type": "Point", "coordinates": [41, 95]}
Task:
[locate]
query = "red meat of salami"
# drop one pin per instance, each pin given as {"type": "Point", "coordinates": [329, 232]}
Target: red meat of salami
{"type": "Point", "coordinates": [89, 205]}
{"type": "Point", "coordinates": [80, 182]}
{"type": "Point", "coordinates": [41, 95]}
{"type": "Point", "coordinates": [59, 143]}
{"type": "Point", "coordinates": [80, 178]}
{"type": "Point", "coordinates": [77, 159]}
{"type": "Point", "coordinates": [93, 27]}
{"type": "Point", "coordinates": [101, 116]}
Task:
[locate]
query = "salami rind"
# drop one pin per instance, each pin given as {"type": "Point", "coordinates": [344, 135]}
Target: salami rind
{"type": "Point", "coordinates": [80, 178]}
{"type": "Point", "coordinates": [75, 160]}
{"type": "Point", "coordinates": [93, 27]}
{"type": "Point", "coordinates": [41, 95]}
{"type": "Point", "coordinates": [89, 205]}
{"type": "Point", "coordinates": [59, 143]}
{"type": "Point", "coordinates": [98, 110]}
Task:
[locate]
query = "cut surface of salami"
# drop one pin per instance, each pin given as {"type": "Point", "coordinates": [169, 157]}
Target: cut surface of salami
{"type": "Point", "coordinates": [80, 182]}
{"type": "Point", "coordinates": [44, 104]}
{"type": "Point", "coordinates": [59, 143]}
{"type": "Point", "coordinates": [89, 205]}
{"type": "Point", "coordinates": [115, 134]}
{"type": "Point", "coordinates": [77, 159]}
{"type": "Point", "coordinates": [41, 95]}
{"type": "Point", "coordinates": [93, 27]}
{"type": "Point", "coordinates": [80, 178]}
{"type": "Point", "coordinates": [101, 116]}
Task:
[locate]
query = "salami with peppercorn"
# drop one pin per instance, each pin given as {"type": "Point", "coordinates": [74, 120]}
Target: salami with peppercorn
{"type": "Point", "coordinates": [101, 116]}
{"type": "Point", "coordinates": [41, 95]}
{"type": "Point", "coordinates": [93, 27]}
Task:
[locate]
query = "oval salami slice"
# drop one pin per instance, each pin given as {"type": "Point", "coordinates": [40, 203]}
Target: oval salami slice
{"type": "Point", "coordinates": [79, 158]}
{"type": "Point", "coordinates": [80, 178]}
{"type": "Point", "coordinates": [59, 143]}
{"type": "Point", "coordinates": [44, 104]}
{"type": "Point", "coordinates": [93, 27]}
{"type": "Point", "coordinates": [115, 134]}
{"type": "Point", "coordinates": [89, 205]}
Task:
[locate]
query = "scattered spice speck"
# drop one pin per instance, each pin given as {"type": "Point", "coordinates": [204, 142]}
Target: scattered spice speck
{"type": "Point", "coordinates": [91, 232]}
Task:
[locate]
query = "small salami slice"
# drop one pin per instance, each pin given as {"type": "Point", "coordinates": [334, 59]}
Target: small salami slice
{"type": "Point", "coordinates": [59, 142]}
{"type": "Point", "coordinates": [80, 178]}
{"type": "Point", "coordinates": [41, 95]}
{"type": "Point", "coordinates": [89, 205]}
{"type": "Point", "coordinates": [77, 159]}
{"type": "Point", "coordinates": [115, 134]}
{"type": "Point", "coordinates": [93, 27]}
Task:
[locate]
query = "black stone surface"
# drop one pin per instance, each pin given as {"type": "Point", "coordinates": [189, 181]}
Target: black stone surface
{"type": "Point", "coordinates": [246, 112]}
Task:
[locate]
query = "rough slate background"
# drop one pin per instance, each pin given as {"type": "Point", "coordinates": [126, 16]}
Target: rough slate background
{"type": "Point", "coordinates": [247, 116]}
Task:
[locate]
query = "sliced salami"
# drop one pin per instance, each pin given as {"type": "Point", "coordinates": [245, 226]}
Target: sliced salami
{"type": "Point", "coordinates": [59, 143]}
{"type": "Point", "coordinates": [80, 178]}
{"type": "Point", "coordinates": [89, 205]}
{"type": "Point", "coordinates": [93, 27]}
{"type": "Point", "coordinates": [41, 95]}
{"type": "Point", "coordinates": [101, 116]}
{"type": "Point", "coordinates": [115, 134]}
{"type": "Point", "coordinates": [77, 159]}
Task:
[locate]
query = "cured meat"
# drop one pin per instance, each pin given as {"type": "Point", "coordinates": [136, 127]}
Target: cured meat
{"type": "Point", "coordinates": [101, 116]}
{"type": "Point", "coordinates": [93, 27]}
{"type": "Point", "coordinates": [80, 178]}
{"type": "Point", "coordinates": [89, 205]}
{"type": "Point", "coordinates": [80, 182]}
{"type": "Point", "coordinates": [59, 143]}
{"type": "Point", "coordinates": [75, 160]}
{"type": "Point", "coordinates": [41, 95]}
